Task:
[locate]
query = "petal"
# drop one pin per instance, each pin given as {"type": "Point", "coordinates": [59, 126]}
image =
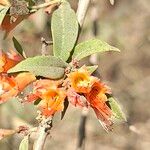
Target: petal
{"type": "Point", "coordinates": [79, 80]}
{"type": "Point", "coordinates": [8, 88]}
{"type": "Point", "coordinates": [76, 99]}
{"type": "Point", "coordinates": [46, 84]}
{"type": "Point", "coordinates": [52, 101]}
{"type": "Point", "coordinates": [8, 60]}
{"type": "Point", "coordinates": [31, 98]}
{"type": "Point", "coordinates": [14, 56]}
{"type": "Point", "coordinates": [23, 79]}
{"type": "Point", "coordinates": [104, 119]}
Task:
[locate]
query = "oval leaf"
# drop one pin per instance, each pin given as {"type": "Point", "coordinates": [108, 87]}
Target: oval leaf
{"type": "Point", "coordinates": [46, 66]}
{"type": "Point", "coordinates": [24, 145]}
{"type": "Point", "coordinates": [90, 47]}
{"type": "Point", "coordinates": [18, 47]}
{"type": "Point", "coordinates": [118, 114]}
{"type": "Point", "coordinates": [64, 30]}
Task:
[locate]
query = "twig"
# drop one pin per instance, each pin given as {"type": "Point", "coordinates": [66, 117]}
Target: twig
{"type": "Point", "coordinates": [43, 132]}
{"type": "Point", "coordinates": [44, 45]}
{"type": "Point", "coordinates": [45, 5]}
{"type": "Point", "coordinates": [82, 10]}
{"type": "Point", "coordinates": [45, 124]}
{"type": "Point", "coordinates": [94, 16]}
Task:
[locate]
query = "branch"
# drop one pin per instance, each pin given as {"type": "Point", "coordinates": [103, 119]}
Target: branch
{"type": "Point", "coordinates": [82, 10]}
{"type": "Point", "coordinates": [44, 46]}
{"type": "Point", "coordinates": [42, 133]}
{"type": "Point", "coordinates": [44, 5]}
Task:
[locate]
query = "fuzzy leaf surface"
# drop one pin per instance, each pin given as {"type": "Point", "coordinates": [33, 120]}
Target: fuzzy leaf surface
{"type": "Point", "coordinates": [64, 28]}
{"type": "Point", "coordinates": [90, 47]}
{"type": "Point", "coordinates": [118, 114]}
{"type": "Point", "coordinates": [24, 145]}
{"type": "Point", "coordinates": [18, 47]}
{"type": "Point", "coordinates": [46, 66]}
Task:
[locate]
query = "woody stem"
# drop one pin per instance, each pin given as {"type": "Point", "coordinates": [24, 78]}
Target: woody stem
{"type": "Point", "coordinates": [34, 8]}
{"type": "Point", "coordinates": [42, 133]}
{"type": "Point", "coordinates": [82, 10]}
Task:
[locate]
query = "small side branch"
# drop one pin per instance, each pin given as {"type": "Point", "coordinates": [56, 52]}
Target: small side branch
{"type": "Point", "coordinates": [44, 46]}
{"type": "Point", "coordinates": [45, 5]}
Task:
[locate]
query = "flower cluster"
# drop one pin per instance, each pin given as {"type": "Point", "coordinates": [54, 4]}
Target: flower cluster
{"type": "Point", "coordinates": [86, 90]}
{"type": "Point", "coordinates": [78, 87]}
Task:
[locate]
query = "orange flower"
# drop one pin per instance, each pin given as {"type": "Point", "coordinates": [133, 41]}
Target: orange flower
{"type": "Point", "coordinates": [52, 97]}
{"type": "Point", "coordinates": [52, 101]}
{"type": "Point", "coordinates": [97, 99]}
{"type": "Point", "coordinates": [8, 61]}
{"type": "Point", "coordinates": [40, 87]}
{"type": "Point", "coordinates": [80, 80]}
{"type": "Point", "coordinates": [8, 88]}
{"type": "Point", "coordinates": [11, 86]}
{"type": "Point", "coordinates": [93, 93]}
{"type": "Point", "coordinates": [24, 79]}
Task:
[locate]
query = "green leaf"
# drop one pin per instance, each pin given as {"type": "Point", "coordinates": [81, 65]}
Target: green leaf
{"type": "Point", "coordinates": [118, 114]}
{"type": "Point", "coordinates": [90, 47]}
{"type": "Point", "coordinates": [64, 28]}
{"type": "Point", "coordinates": [46, 66]}
{"type": "Point", "coordinates": [66, 104]}
{"type": "Point", "coordinates": [3, 12]}
{"type": "Point", "coordinates": [18, 47]}
{"type": "Point", "coordinates": [24, 145]}
{"type": "Point", "coordinates": [91, 69]}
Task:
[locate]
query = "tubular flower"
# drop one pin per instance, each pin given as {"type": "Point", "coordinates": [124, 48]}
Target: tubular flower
{"type": "Point", "coordinates": [97, 99]}
{"type": "Point", "coordinates": [81, 81]}
{"type": "Point", "coordinates": [52, 101]}
{"type": "Point", "coordinates": [40, 87]}
{"type": "Point", "coordinates": [52, 97]}
{"type": "Point", "coordinates": [11, 86]}
{"type": "Point", "coordinates": [8, 61]}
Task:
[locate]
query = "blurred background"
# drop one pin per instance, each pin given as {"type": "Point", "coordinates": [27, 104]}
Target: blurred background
{"type": "Point", "coordinates": [126, 25]}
